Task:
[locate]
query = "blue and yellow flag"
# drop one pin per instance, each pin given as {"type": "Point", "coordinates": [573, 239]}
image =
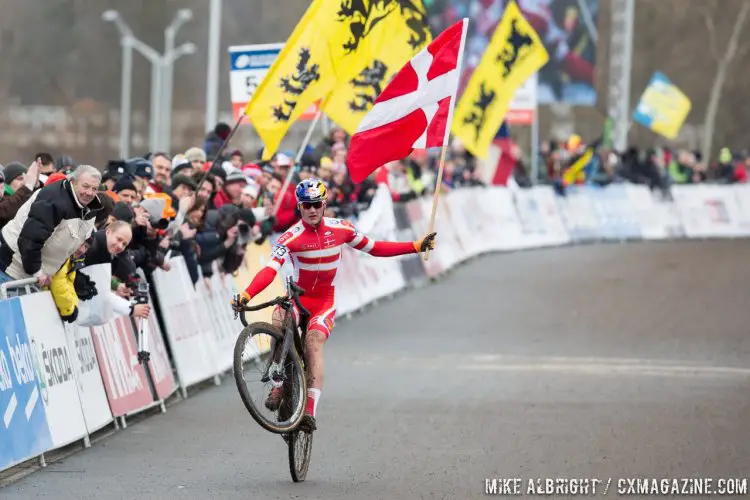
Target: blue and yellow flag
{"type": "Point", "coordinates": [512, 56]}
{"type": "Point", "coordinates": [663, 107]}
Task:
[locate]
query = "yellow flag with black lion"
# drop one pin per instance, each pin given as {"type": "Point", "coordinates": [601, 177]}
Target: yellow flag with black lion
{"type": "Point", "coordinates": [335, 42]}
{"type": "Point", "coordinates": [512, 56]}
{"type": "Point", "coordinates": [402, 31]}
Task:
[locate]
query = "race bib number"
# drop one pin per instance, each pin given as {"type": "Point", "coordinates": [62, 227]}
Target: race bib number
{"type": "Point", "coordinates": [279, 252]}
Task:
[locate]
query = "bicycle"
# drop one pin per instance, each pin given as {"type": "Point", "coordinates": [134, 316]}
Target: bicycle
{"type": "Point", "coordinates": [284, 367]}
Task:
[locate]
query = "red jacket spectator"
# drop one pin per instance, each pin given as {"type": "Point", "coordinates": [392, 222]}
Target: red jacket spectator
{"type": "Point", "coordinates": [286, 217]}
{"type": "Point", "coordinates": [740, 174]}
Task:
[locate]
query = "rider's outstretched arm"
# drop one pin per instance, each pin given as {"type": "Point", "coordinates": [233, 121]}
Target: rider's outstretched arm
{"type": "Point", "coordinates": [266, 275]}
{"type": "Point", "coordinates": [389, 248]}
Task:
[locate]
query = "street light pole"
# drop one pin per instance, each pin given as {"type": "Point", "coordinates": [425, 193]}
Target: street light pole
{"type": "Point", "coordinates": [212, 76]}
{"type": "Point", "coordinates": [125, 96]}
{"type": "Point", "coordinates": [170, 33]}
{"type": "Point", "coordinates": [159, 63]}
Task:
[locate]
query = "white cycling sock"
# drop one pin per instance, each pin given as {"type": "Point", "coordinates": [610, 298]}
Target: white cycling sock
{"type": "Point", "coordinates": [313, 396]}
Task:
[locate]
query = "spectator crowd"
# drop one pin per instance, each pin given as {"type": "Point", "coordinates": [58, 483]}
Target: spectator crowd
{"type": "Point", "coordinates": [58, 216]}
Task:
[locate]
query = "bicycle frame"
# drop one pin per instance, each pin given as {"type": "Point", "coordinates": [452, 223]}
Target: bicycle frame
{"type": "Point", "coordinates": [293, 332]}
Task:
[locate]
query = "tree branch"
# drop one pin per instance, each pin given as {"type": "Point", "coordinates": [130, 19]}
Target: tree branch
{"type": "Point", "coordinates": [739, 23]}
{"type": "Point", "coordinates": [711, 28]}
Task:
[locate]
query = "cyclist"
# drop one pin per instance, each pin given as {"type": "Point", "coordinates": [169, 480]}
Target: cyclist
{"type": "Point", "coordinates": [314, 245]}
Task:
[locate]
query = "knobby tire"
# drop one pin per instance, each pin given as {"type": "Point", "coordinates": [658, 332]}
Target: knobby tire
{"type": "Point", "coordinates": [298, 369]}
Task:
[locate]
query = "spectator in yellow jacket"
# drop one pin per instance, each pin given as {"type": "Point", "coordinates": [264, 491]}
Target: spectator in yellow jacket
{"type": "Point", "coordinates": [63, 285]}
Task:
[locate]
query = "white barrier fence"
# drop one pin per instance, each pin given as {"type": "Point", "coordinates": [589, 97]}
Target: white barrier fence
{"type": "Point", "coordinates": [59, 383]}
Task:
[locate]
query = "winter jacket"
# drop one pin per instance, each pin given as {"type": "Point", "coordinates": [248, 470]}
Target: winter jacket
{"type": "Point", "coordinates": [68, 287]}
{"type": "Point", "coordinates": [9, 205]}
{"type": "Point", "coordinates": [47, 229]}
{"type": "Point", "coordinates": [287, 214]}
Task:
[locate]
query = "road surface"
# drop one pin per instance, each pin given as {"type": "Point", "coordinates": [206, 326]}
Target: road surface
{"type": "Point", "coordinates": [592, 362]}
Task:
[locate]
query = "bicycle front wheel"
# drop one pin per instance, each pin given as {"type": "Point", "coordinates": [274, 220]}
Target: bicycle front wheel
{"type": "Point", "coordinates": [300, 451]}
{"type": "Point", "coordinates": [272, 389]}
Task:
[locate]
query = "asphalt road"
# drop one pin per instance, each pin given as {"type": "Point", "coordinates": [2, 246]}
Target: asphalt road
{"type": "Point", "coordinates": [581, 362]}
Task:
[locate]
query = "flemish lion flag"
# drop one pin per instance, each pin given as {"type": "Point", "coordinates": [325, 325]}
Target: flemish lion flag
{"type": "Point", "coordinates": [403, 30]}
{"type": "Point", "coordinates": [512, 56]}
{"type": "Point", "coordinates": [323, 50]}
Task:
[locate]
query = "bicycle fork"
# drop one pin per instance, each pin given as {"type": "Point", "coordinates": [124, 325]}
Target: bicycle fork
{"type": "Point", "coordinates": [275, 372]}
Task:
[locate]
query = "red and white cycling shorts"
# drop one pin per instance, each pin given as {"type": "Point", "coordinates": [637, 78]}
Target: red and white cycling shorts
{"type": "Point", "coordinates": [322, 312]}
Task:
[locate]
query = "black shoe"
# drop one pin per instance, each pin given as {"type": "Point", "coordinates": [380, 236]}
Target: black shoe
{"type": "Point", "coordinates": [308, 424]}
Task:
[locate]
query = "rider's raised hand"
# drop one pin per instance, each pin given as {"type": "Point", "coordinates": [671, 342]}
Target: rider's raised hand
{"type": "Point", "coordinates": [428, 241]}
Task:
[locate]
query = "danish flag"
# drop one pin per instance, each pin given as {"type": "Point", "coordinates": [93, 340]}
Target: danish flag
{"type": "Point", "coordinates": [414, 110]}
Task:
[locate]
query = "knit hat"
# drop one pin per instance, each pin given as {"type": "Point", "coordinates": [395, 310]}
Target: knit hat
{"type": "Point", "coordinates": [184, 180]}
{"type": "Point", "coordinates": [155, 209]}
{"type": "Point", "coordinates": [14, 170]}
{"type": "Point", "coordinates": [180, 162]}
{"type": "Point", "coordinates": [123, 212]}
{"type": "Point", "coordinates": [125, 182]}
{"type": "Point", "coordinates": [236, 176]}
{"type": "Point", "coordinates": [283, 160]}
{"type": "Point", "coordinates": [195, 154]}
{"type": "Point", "coordinates": [252, 189]}
{"type": "Point", "coordinates": [218, 172]}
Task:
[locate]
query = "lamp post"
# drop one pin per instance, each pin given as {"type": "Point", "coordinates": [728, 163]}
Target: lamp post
{"type": "Point", "coordinates": [159, 65]}
{"type": "Point", "coordinates": [212, 73]}
{"type": "Point", "coordinates": [126, 74]}
{"type": "Point", "coordinates": [170, 33]}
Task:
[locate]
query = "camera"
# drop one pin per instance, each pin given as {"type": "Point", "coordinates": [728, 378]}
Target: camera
{"type": "Point", "coordinates": [245, 235]}
{"type": "Point", "coordinates": [140, 289]}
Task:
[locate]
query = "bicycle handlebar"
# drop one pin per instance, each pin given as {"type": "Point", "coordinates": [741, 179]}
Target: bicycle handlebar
{"type": "Point", "coordinates": [297, 292]}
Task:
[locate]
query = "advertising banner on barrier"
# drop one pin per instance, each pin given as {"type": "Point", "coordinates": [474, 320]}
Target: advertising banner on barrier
{"type": "Point", "coordinates": [742, 198]}
{"type": "Point", "coordinates": [193, 352]}
{"type": "Point", "coordinates": [24, 432]}
{"type": "Point", "coordinates": [502, 228]}
{"type": "Point", "coordinates": [540, 218]}
{"type": "Point", "coordinates": [612, 206]}
{"type": "Point", "coordinates": [348, 292]}
{"type": "Point", "coordinates": [378, 276]}
{"type": "Point", "coordinates": [256, 257]}
{"type": "Point", "coordinates": [579, 215]}
{"type": "Point", "coordinates": [159, 365]}
{"type": "Point", "coordinates": [468, 221]}
{"type": "Point", "coordinates": [411, 265]}
{"type": "Point", "coordinates": [57, 383]}
{"type": "Point", "coordinates": [657, 218]}
{"type": "Point", "coordinates": [434, 266]}
{"type": "Point", "coordinates": [214, 308]}
{"type": "Point", "coordinates": [96, 412]}
{"type": "Point", "coordinates": [124, 378]}
{"type": "Point", "coordinates": [708, 211]}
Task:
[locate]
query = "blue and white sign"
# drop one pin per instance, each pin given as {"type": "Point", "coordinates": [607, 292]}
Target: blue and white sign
{"type": "Point", "coordinates": [24, 432]}
{"type": "Point", "coordinates": [248, 66]}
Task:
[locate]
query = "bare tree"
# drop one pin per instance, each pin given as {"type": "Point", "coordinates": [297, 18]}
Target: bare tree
{"type": "Point", "coordinates": [724, 63]}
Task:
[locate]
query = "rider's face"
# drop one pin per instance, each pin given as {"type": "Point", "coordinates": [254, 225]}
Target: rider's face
{"type": "Point", "coordinates": [312, 213]}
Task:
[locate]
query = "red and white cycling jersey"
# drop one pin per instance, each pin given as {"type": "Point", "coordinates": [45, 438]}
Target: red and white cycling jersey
{"type": "Point", "coordinates": [315, 253]}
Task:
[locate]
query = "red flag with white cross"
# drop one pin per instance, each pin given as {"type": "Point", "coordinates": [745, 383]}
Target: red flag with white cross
{"type": "Point", "coordinates": [414, 110]}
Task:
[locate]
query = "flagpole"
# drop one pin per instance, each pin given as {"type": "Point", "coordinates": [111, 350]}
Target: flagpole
{"type": "Point", "coordinates": [297, 159]}
{"type": "Point", "coordinates": [223, 146]}
{"type": "Point", "coordinates": [449, 121]}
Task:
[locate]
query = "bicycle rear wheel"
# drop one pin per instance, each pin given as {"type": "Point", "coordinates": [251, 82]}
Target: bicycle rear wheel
{"type": "Point", "coordinates": [258, 370]}
{"type": "Point", "coordinates": [300, 451]}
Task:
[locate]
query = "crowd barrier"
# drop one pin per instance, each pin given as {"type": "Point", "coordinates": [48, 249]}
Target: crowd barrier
{"type": "Point", "coordinates": [59, 383]}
